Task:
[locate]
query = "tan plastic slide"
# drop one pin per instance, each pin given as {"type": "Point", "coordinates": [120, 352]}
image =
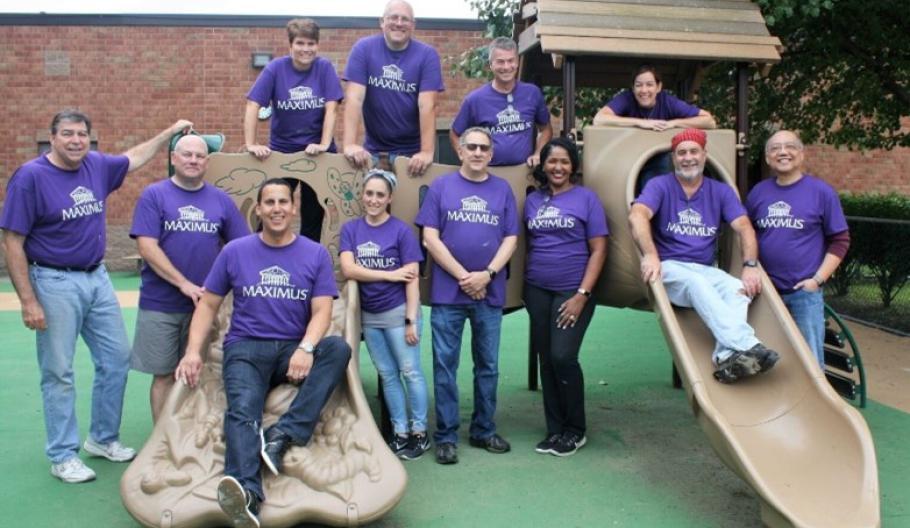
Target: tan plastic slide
{"type": "Point", "coordinates": [807, 454]}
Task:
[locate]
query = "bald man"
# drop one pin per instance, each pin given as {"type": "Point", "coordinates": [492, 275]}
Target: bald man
{"type": "Point", "coordinates": [180, 225]}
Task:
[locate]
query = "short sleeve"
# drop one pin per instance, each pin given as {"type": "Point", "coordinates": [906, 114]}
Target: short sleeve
{"type": "Point", "coordinates": [732, 207]}
{"type": "Point", "coordinates": [652, 196]}
{"type": "Point", "coordinates": [261, 91]}
{"type": "Point", "coordinates": [235, 226]}
{"type": "Point", "coordinates": [116, 167]}
{"type": "Point", "coordinates": [428, 216]}
{"type": "Point", "coordinates": [596, 222]}
{"type": "Point", "coordinates": [834, 221]}
{"type": "Point", "coordinates": [331, 86]}
{"type": "Point", "coordinates": [621, 104]}
{"type": "Point", "coordinates": [463, 119]}
{"type": "Point", "coordinates": [356, 68]}
{"type": "Point", "coordinates": [408, 247]}
{"type": "Point", "coordinates": [431, 73]}
{"type": "Point", "coordinates": [324, 285]}
{"type": "Point", "coordinates": [346, 239]}
{"type": "Point", "coordinates": [147, 216]}
{"type": "Point", "coordinates": [218, 280]}
{"type": "Point", "coordinates": [542, 115]}
{"type": "Point", "coordinates": [19, 209]}
{"type": "Point", "coordinates": [510, 222]}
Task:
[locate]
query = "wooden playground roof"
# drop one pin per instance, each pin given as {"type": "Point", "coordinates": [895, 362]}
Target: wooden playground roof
{"type": "Point", "coordinates": [608, 37]}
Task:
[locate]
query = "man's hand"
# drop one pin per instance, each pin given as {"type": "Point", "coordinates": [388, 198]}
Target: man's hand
{"type": "Point", "coordinates": [192, 291]}
{"type": "Point", "coordinates": [358, 157]}
{"type": "Point", "coordinates": [403, 274]}
{"type": "Point", "coordinates": [419, 163]}
{"type": "Point", "coordinates": [33, 315]}
{"type": "Point", "coordinates": [650, 268]}
{"type": "Point", "coordinates": [808, 285]}
{"type": "Point", "coordinates": [299, 366]}
{"type": "Point", "coordinates": [533, 160]}
{"type": "Point", "coordinates": [751, 281]}
{"type": "Point", "coordinates": [658, 125]}
{"type": "Point", "coordinates": [474, 282]}
{"type": "Point", "coordinates": [260, 152]}
{"type": "Point", "coordinates": [315, 149]}
{"type": "Point", "coordinates": [181, 125]}
{"type": "Point", "coordinates": [189, 369]}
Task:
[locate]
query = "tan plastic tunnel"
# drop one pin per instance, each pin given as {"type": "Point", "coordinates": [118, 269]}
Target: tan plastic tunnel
{"type": "Point", "coordinates": [807, 454]}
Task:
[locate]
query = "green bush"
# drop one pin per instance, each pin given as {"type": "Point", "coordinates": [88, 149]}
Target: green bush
{"type": "Point", "coordinates": [877, 242]}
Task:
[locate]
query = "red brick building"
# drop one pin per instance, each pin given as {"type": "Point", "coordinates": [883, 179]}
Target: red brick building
{"type": "Point", "coordinates": [136, 74]}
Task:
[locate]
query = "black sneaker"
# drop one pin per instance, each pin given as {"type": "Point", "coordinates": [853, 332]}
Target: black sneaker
{"type": "Point", "coordinates": [765, 356]}
{"type": "Point", "coordinates": [275, 443]}
{"type": "Point", "coordinates": [240, 506]}
{"type": "Point", "coordinates": [494, 444]}
{"type": "Point", "coordinates": [418, 444]}
{"type": "Point", "coordinates": [568, 444]}
{"type": "Point", "coordinates": [737, 366]}
{"type": "Point", "coordinates": [398, 443]}
{"type": "Point", "coordinates": [545, 447]}
{"type": "Point", "coordinates": [446, 453]}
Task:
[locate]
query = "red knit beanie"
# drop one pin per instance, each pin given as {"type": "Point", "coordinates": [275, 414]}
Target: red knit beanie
{"type": "Point", "coordinates": [690, 134]}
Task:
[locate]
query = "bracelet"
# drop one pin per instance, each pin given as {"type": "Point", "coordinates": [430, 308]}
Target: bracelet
{"type": "Point", "coordinates": [492, 273]}
{"type": "Point", "coordinates": [818, 280]}
{"type": "Point", "coordinates": [584, 292]}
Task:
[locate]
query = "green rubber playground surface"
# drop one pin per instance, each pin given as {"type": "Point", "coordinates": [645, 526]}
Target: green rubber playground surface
{"type": "Point", "coordinates": [646, 462]}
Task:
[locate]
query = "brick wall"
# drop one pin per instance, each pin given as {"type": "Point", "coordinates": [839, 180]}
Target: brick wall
{"type": "Point", "coordinates": [855, 171]}
{"type": "Point", "coordinates": [135, 81]}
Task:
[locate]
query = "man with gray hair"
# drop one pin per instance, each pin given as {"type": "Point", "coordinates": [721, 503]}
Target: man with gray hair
{"type": "Point", "coordinates": [172, 215]}
{"type": "Point", "coordinates": [802, 235]}
{"type": "Point", "coordinates": [53, 225]}
{"type": "Point", "coordinates": [392, 82]}
{"type": "Point", "coordinates": [470, 227]}
{"type": "Point", "coordinates": [515, 112]}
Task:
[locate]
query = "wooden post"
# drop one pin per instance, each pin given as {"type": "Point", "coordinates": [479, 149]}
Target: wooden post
{"type": "Point", "coordinates": [742, 129]}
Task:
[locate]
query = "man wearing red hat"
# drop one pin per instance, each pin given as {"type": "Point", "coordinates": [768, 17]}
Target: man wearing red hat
{"type": "Point", "coordinates": [675, 222]}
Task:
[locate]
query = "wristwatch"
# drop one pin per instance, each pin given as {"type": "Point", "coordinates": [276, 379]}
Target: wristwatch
{"type": "Point", "coordinates": [492, 273]}
{"type": "Point", "coordinates": [584, 292]}
{"type": "Point", "coordinates": [307, 347]}
{"type": "Point", "coordinates": [408, 321]}
{"type": "Point", "coordinates": [751, 263]}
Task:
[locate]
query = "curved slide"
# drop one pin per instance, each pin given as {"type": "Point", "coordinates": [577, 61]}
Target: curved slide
{"type": "Point", "coordinates": [807, 454]}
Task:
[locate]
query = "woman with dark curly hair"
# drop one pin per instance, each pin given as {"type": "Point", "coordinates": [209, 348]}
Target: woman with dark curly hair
{"type": "Point", "coordinates": [567, 245]}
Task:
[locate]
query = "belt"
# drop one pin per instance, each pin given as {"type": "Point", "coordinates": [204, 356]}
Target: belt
{"type": "Point", "coordinates": [85, 269]}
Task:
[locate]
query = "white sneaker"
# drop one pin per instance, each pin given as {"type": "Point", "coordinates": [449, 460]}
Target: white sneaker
{"type": "Point", "coordinates": [114, 451]}
{"type": "Point", "coordinates": [72, 470]}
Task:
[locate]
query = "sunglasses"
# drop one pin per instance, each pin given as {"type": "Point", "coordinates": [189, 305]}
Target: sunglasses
{"type": "Point", "coordinates": [470, 147]}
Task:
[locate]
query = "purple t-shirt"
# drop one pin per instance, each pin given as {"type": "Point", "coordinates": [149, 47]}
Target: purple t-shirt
{"type": "Point", "coordinates": [385, 247]}
{"type": "Point", "coordinates": [473, 218]}
{"type": "Point", "coordinates": [190, 227]}
{"type": "Point", "coordinates": [273, 287]}
{"type": "Point", "coordinates": [666, 107]}
{"type": "Point", "coordinates": [61, 212]}
{"type": "Point", "coordinates": [511, 118]}
{"type": "Point", "coordinates": [792, 223]}
{"type": "Point", "coordinates": [298, 101]}
{"type": "Point", "coordinates": [393, 80]}
{"type": "Point", "coordinates": [559, 228]}
{"type": "Point", "coordinates": [686, 229]}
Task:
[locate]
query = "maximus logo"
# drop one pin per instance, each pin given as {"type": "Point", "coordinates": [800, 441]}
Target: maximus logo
{"type": "Point", "coordinates": [275, 283]}
{"type": "Point", "coordinates": [509, 121]}
{"type": "Point", "coordinates": [192, 220]}
{"type": "Point", "coordinates": [369, 255]}
{"type": "Point", "coordinates": [473, 210]}
{"type": "Point", "coordinates": [301, 98]}
{"type": "Point", "coordinates": [690, 224]}
{"type": "Point", "coordinates": [779, 217]}
{"type": "Point", "coordinates": [84, 204]}
{"type": "Point", "coordinates": [549, 217]}
{"type": "Point", "coordinates": [392, 79]}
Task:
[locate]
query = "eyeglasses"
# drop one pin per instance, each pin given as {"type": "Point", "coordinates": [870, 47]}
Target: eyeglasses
{"type": "Point", "coordinates": [470, 147]}
{"type": "Point", "coordinates": [780, 147]}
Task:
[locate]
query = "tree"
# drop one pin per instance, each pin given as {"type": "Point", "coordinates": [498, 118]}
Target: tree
{"type": "Point", "coordinates": [843, 79]}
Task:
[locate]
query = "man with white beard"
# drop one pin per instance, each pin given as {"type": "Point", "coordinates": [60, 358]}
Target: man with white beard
{"type": "Point", "coordinates": [675, 223]}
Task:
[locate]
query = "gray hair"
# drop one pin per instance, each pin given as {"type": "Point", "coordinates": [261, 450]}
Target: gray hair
{"type": "Point", "coordinates": [481, 130]}
{"type": "Point", "coordinates": [73, 116]}
{"type": "Point", "coordinates": [799, 141]}
{"type": "Point", "coordinates": [501, 43]}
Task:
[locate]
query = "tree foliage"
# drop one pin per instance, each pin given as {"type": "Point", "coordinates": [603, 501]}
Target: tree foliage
{"type": "Point", "coordinates": [844, 78]}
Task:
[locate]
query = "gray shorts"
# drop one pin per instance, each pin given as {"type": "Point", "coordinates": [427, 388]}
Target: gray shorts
{"type": "Point", "coordinates": [160, 341]}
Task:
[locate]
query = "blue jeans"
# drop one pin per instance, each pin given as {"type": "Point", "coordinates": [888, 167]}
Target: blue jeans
{"type": "Point", "coordinates": [808, 311]}
{"type": "Point", "coordinates": [251, 368]}
{"type": "Point", "coordinates": [447, 322]}
{"type": "Point", "coordinates": [717, 298]}
{"type": "Point", "coordinates": [396, 359]}
{"type": "Point", "coordinates": [78, 303]}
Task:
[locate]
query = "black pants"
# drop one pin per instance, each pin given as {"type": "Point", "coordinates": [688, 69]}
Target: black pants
{"type": "Point", "coordinates": [560, 372]}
